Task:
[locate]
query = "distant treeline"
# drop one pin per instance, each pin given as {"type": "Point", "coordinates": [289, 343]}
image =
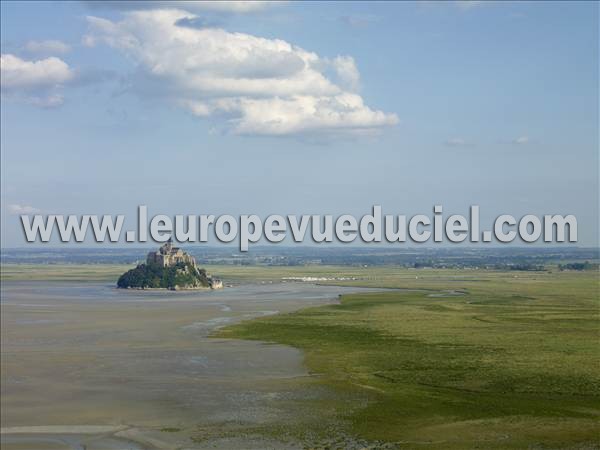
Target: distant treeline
{"type": "Point", "coordinates": [578, 266]}
{"type": "Point", "coordinates": [493, 258]}
{"type": "Point", "coordinates": [527, 267]}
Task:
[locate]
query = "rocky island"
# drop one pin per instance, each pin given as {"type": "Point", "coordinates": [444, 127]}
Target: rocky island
{"type": "Point", "coordinates": [168, 268]}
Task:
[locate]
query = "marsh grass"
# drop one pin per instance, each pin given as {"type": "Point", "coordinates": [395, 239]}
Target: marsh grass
{"type": "Point", "coordinates": [475, 359]}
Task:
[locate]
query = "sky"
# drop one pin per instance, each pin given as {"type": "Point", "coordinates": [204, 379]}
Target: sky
{"type": "Point", "coordinates": [289, 108]}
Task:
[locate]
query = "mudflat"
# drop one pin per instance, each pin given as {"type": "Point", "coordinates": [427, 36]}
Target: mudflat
{"type": "Point", "coordinates": [86, 365]}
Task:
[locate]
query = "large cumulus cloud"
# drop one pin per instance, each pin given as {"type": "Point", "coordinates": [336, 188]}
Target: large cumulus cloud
{"type": "Point", "coordinates": [256, 85]}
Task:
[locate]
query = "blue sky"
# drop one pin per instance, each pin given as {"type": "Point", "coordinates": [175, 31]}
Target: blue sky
{"type": "Point", "coordinates": [300, 108]}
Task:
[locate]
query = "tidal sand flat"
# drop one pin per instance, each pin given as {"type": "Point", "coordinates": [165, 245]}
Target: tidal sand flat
{"type": "Point", "coordinates": [81, 355]}
{"type": "Point", "coordinates": [443, 359]}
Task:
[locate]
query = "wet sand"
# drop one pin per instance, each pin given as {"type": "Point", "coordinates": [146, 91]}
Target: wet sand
{"type": "Point", "coordinates": [77, 356]}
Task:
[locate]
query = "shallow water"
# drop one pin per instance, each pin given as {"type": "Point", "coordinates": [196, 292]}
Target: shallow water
{"type": "Point", "coordinates": [80, 354]}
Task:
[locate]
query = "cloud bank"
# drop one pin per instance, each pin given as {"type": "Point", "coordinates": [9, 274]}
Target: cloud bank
{"type": "Point", "coordinates": [258, 86]}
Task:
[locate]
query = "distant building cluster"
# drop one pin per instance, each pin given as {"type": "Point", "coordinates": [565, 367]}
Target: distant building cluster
{"type": "Point", "coordinates": [167, 256]}
{"type": "Point", "coordinates": [216, 283]}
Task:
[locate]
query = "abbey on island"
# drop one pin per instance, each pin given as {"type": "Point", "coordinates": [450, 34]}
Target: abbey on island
{"type": "Point", "coordinates": [167, 256]}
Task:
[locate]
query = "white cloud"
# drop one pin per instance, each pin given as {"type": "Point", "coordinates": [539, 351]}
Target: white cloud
{"type": "Point", "coordinates": [455, 142]}
{"type": "Point", "coordinates": [47, 101]}
{"type": "Point", "coordinates": [347, 71]}
{"type": "Point", "coordinates": [22, 209]}
{"type": "Point", "coordinates": [218, 6]}
{"type": "Point", "coordinates": [359, 20]}
{"type": "Point", "coordinates": [229, 6]}
{"type": "Point", "coordinates": [258, 85]}
{"type": "Point", "coordinates": [19, 73]}
{"type": "Point", "coordinates": [521, 140]}
{"type": "Point", "coordinates": [469, 4]}
{"type": "Point", "coordinates": [47, 47]}
{"type": "Point", "coordinates": [36, 82]}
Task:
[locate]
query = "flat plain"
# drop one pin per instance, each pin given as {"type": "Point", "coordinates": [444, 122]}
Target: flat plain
{"type": "Point", "coordinates": [429, 359]}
